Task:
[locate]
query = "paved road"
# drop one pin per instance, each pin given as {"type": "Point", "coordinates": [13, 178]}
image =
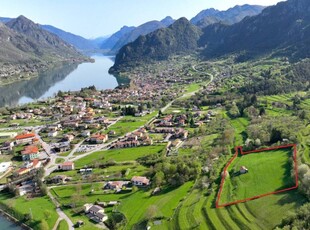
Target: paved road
{"type": "Point", "coordinates": [61, 214]}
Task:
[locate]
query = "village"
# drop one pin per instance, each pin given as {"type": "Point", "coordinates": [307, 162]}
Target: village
{"type": "Point", "coordinates": [48, 137]}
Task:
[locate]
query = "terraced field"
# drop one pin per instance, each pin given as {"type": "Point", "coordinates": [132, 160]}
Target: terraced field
{"type": "Point", "coordinates": [199, 212]}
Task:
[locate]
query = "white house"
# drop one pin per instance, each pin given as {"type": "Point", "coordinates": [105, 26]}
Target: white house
{"type": "Point", "coordinates": [95, 212]}
{"type": "Point", "coordinates": [67, 166]}
{"type": "Point", "coordinates": [140, 181]}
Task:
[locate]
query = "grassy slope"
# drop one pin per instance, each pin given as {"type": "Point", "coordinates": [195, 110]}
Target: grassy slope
{"type": "Point", "coordinates": [127, 154]}
{"type": "Point", "coordinates": [62, 225]}
{"type": "Point", "coordinates": [268, 171]}
{"type": "Point", "coordinates": [37, 206]}
{"type": "Point", "coordinates": [137, 204]}
{"type": "Point", "coordinates": [133, 204]}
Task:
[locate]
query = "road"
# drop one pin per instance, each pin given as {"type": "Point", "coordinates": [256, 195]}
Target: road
{"type": "Point", "coordinates": [61, 214]}
{"type": "Point", "coordinates": [53, 166]}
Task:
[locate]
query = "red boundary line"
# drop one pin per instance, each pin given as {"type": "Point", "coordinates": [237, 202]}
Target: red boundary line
{"type": "Point", "coordinates": [237, 148]}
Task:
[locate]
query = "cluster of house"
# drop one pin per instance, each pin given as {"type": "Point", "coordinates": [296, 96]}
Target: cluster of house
{"type": "Point", "coordinates": [173, 133]}
{"type": "Point", "coordinates": [172, 121]}
{"type": "Point", "coordinates": [30, 153]}
{"type": "Point", "coordinates": [134, 139]}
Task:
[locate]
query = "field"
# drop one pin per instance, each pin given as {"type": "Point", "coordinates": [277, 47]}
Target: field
{"type": "Point", "coordinates": [269, 171]}
{"type": "Point", "coordinates": [134, 205]}
{"type": "Point", "coordinates": [40, 208]}
{"type": "Point", "coordinates": [198, 212]}
{"type": "Point", "coordinates": [130, 123]}
{"type": "Point", "coordinates": [62, 225]}
{"type": "Point", "coordinates": [119, 155]}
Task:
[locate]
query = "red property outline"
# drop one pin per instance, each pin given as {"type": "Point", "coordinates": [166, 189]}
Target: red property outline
{"type": "Point", "coordinates": [237, 148]}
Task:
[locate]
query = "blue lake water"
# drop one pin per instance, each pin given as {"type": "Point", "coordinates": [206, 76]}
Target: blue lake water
{"type": "Point", "coordinates": [66, 77]}
{"type": "Point", "coordinates": [7, 225]}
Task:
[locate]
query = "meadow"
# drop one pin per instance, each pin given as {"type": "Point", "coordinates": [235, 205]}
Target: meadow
{"type": "Point", "coordinates": [119, 155]}
{"type": "Point", "coordinates": [268, 171]}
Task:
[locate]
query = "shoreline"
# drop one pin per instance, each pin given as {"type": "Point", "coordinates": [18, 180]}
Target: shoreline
{"type": "Point", "coordinates": [26, 76]}
{"type": "Point", "coordinates": [13, 220]}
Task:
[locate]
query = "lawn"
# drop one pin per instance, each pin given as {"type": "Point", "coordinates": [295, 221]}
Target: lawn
{"type": "Point", "coordinates": [41, 208]}
{"type": "Point", "coordinates": [240, 124]}
{"type": "Point", "coordinates": [136, 205]}
{"type": "Point", "coordinates": [130, 123]}
{"type": "Point", "coordinates": [269, 171]}
{"type": "Point", "coordinates": [62, 225]}
{"type": "Point", "coordinates": [119, 155]}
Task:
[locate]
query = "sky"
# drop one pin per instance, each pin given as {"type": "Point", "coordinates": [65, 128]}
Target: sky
{"type": "Point", "coordinates": [96, 18]}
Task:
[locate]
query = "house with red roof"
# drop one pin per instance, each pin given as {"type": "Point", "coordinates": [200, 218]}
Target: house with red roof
{"type": "Point", "coordinates": [25, 138]}
{"type": "Point", "coordinates": [67, 166]}
{"type": "Point", "coordinates": [30, 153]}
{"type": "Point", "coordinates": [99, 138]}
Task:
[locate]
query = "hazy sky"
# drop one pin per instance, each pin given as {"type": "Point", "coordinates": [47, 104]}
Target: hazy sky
{"type": "Point", "coordinates": [94, 18]}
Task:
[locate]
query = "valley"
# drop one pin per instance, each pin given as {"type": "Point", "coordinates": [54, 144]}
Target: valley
{"type": "Point", "coordinates": [205, 123]}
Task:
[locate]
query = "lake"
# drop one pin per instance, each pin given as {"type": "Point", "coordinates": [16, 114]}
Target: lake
{"type": "Point", "coordinates": [65, 77]}
{"type": "Point", "coordinates": [7, 225]}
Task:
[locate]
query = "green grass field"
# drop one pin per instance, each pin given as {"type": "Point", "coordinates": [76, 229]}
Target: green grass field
{"type": "Point", "coordinates": [134, 205]}
{"type": "Point", "coordinates": [269, 171]}
{"type": "Point", "coordinates": [240, 124]}
{"type": "Point", "coordinates": [62, 225]}
{"type": "Point", "coordinates": [130, 123]}
{"type": "Point", "coordinates": [40, 208]}
{"type": "Point", "coordinates": [119, 155]}
{"type": "Point", "coordinates": [198, 212]}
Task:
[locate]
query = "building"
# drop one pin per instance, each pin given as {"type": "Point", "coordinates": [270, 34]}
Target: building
{"type": "Point", "coordinates": [95, 213]}
{"type": "Point", "coordinates": [67, 166]}
{"type": "Point", "coordinates": [98, 138]}
{"type": "Point", "coordinates": [4, 166]}
{"type": "Point", "coordinates": [52, 134]}
{"type": "Point", "coordinates": [140, 181]}
{"type": "Point", "coordinates": [243, 170]}
{"type": "Point", "coordinates": [25, 138]}
{"type": "Point", "coordinates": [7, 135]}
{"type": "Point", "coordinates": [115, 185]}
{"type": "Point", "coordinates": [30, 153]}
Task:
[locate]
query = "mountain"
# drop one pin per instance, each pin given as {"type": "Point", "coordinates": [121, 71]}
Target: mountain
{"type": "Point", "coordinates": [5, 20]}
{"type": "Point", "coordinates": [129, 34]}
{"type": "Point", "coordinates": [283, 29]}
{"type": "Point", "coordinates": [180, 37]}
{"type": "Point", "coordinates": [77, 41]}
{"type": "Point", "coordinates": [167, 21]}
{"type": "Point", "coordinates": [97, 42]}
{"type": "Point", "coordinates": [109, 43]}
{"type": "Point", "coordinates": [27, 49]}
{"type": "Point", "coordinates": [141, 30]}
{"type": "Point", "coordinates": [14, 46]}
{"type": "Point", "coordinates": [230, 16]}
{"type": "Point", "coordinates": [41, 43]}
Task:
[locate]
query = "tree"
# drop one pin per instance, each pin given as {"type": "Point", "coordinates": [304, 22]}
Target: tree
{"type": "Point", "coordinates": [149, 105]}
{"type": "Point", "coordinates": [275, 135]}
{"type": "Point", "coordinates": [43, 225]}
{"type": "Point", "coordinates": [159, 178]}
{"type": "Point", "coordinates": [47, 214]}
{"type": "Point", "coordinates": [234, 111]}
